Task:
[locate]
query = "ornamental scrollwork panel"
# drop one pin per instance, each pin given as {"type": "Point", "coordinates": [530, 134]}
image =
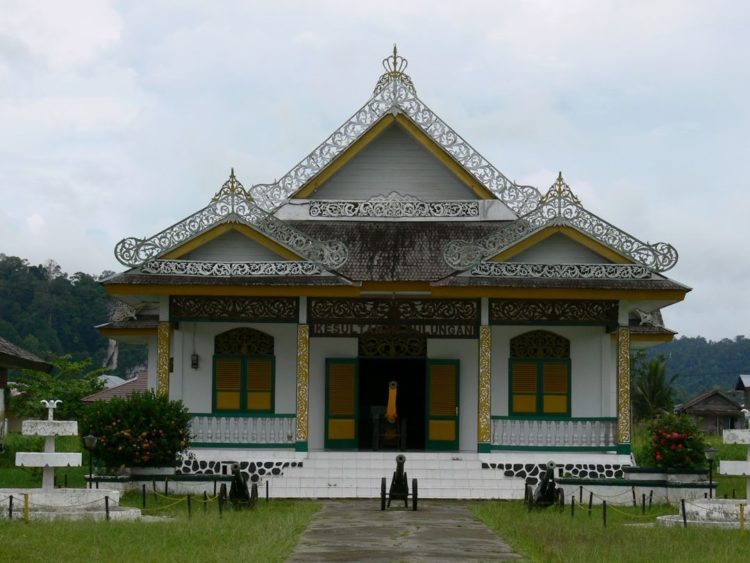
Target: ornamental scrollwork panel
{"type": "Point", "coordinates": [560, 206]}
{"type": "Point", "coordinates": [395, 93]}
{"type": "Point", "coordinates": [244, 341]}
{"type": "Point", "coordinates": [539, 344]}
{"type": "Point", "coordinates": [562, 271]}
{"type": "Point", "coordinates": [393, 206]}
{"type": "Point", "coordinates": [509, 311]}
{"type": "Point", "coordinates": [393, 342]}
{"type": "Point", "coordinates": [231, 204]}
{"type": "Point", "coordinates": [261, 309]}
{"type": "Point", "coordinates": [230, 269]}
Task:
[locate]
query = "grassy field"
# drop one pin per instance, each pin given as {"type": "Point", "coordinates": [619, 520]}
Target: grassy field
{"type": "Point", "coordinates": [267, 533]}
{"type": "Point", "coordinates": [549, 535]}
{"type": "Point", "coordinates": [12, 476]}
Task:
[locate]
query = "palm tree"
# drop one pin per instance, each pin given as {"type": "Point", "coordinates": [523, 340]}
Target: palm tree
{"type": "Point", "coordinates": [653, 392]}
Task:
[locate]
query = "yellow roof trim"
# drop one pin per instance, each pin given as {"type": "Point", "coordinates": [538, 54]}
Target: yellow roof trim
{"type": "Point", "coordinates": [373, 133]}
{"type": "Point", "coordinates": [219, 230]}
{"type": "Point", "coordinates": [656, 338]}
{"type": "Point", "coordinates": [435, 291]}
{"type": "Point", "coordinates": [574, 234]}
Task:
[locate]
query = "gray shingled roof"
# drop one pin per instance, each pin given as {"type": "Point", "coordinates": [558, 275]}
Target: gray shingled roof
{"type": "Point", "coordinates": [13, 356]}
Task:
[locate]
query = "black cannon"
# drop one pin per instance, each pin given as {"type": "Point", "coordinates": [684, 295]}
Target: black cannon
{"type": "Point", "coordinates": [399, 489]}
{"type": "Point", "coordinates": [239, 495]}
{"type": "Point", "coordinates": [546, 492]}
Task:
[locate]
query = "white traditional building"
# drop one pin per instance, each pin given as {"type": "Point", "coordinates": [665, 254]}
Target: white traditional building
{"type": "Point", "coordinates": [394, 251]}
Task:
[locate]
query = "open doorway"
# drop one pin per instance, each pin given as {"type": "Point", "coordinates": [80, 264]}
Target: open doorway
{"type": "Point", "coordinates": [374, 376]}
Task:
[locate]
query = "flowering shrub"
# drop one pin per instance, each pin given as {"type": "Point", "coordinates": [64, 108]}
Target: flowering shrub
{"type": "Point", "coordinates": [676, 442]}
{"type": "Point", "coordinates": [142, 430]}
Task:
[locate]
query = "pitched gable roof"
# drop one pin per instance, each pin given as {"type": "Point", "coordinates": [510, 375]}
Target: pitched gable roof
{"type": "Point", "coordinates": [395, 94]}
{"type": "Point", "coordinates": [711, 401]}
{"type": "Point", "coordinates": [232, 206]}
{"type": "Point", "coordinates": [560, 209]}
{"type": "Point", "coordinates": [13, 356]}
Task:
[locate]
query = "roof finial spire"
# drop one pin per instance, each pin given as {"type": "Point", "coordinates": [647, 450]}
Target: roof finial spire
{"type": "Point", "coordinates": [394, 66]}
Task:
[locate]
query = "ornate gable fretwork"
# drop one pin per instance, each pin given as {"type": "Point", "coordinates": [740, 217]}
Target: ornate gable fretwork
{"type": "Point", "coordinates": [237, 309]}
{"type": "Point", "coordinates": [395, 93]}
{"type": "Point", "coordinates": [562, 271]}
{"type": "Point", "coordinates": [392, 342]}
{"type": "Point", "coordinates": [394, 206]}
{"type": "Point", "coordinates": [231, 204]}
{"type": "Point", "coordinates": [539, 344]}
{"type": "Point", "coordinates": [231, 269]}
{"type": "Point", "coordinates": [520, 311]}
{"type": "Point", "coordinates": [244, 341]}
{"type": "Point", "coordinates": [560, 206]}
{"type": "Point", "coordinates": [451, 318]}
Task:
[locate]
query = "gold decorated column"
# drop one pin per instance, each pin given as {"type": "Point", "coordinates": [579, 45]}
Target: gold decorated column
{"type": "Point", "coordinates": [303, 384]}
{"type": "Point", "coordinates": [484, 432]}
{"type": "Point", "coordinates": [163, 337]}
{"type": "Point", "coordinates": [623, 388]}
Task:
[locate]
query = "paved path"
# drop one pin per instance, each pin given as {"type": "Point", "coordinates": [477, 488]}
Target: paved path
{"type": "Point", "coordinates": [357, 530]}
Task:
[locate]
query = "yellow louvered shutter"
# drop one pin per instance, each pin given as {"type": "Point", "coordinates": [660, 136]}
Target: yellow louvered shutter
{"type": "Point", "coordinates": [524, 387]}
{"type": "Point", "coordinates": [555, 387]}
{"type": "Point", "coordinates": [260, 384]}
{"type": "Point", "coordinates": [228, 374]}
{"type": "Point", "coordinates": [443, 390]}
{"type": "Point", "coordinates": [442, 407]}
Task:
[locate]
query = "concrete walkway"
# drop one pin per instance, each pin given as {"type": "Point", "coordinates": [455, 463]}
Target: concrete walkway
{"type": "Point", "coordinates": [357, 530]}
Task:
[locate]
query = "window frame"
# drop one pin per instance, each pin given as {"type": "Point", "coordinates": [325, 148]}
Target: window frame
{"type": "Point", "coordinates": [540, 363]}
{"type": "Point", "coordinates": [244, 359]}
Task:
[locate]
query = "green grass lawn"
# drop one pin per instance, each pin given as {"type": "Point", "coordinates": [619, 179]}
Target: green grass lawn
{"type": "Point", "coordinates": [12, 476]}
{"type": "Point", "coordinates": [550, 535]}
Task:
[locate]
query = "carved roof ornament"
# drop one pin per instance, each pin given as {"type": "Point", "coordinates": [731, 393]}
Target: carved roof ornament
{"type": "Point", "coordinates": [231, 204]}
{"type": "Point", "coordinates": [560, 206]}
{"type": "Point", "coordinates": [232, 188]}
{"type": "Point", "coordinates": [395, 93]}
{"type": "Point", "coordinates": [394, 66]}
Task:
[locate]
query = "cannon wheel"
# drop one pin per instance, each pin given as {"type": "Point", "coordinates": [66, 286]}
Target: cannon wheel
{"type": "Point", "coordinates": [382, 494]}
{"type": "Point", "coordinates": [414, 495]}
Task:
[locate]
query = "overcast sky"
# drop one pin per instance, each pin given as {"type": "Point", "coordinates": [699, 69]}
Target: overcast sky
{"type": "Point", "coordinates": [119, 119]}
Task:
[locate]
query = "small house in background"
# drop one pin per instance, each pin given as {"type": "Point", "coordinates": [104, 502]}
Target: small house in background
{"type": "Point", "coordinates": [138, 384]}
{"type": "Point", "coordinates": [713, 411]}
{"type": "Point", "coordinates": [12, 356]}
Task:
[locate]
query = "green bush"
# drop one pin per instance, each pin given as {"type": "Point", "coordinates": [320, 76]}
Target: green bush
{"type": "Point", "coordinates": [142, 430]}
{"type": "Point", "coordinates": [675, 443]}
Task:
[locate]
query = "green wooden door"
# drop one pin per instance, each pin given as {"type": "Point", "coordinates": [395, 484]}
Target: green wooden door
{"type": "Point", "coordinates": [442, 404]}
{"type": "Point", "coordinates": [342, 399]}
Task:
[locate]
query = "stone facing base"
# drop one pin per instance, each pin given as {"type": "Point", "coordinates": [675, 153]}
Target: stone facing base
{"type": "Point", "coordinates": [531, 471]}
{"type": "Point", "coordinates": [255, 471]}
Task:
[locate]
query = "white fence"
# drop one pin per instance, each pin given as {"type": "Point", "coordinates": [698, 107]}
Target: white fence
{"type": "Point", "coordinates": [260, 430]}
{"type": "Point", "coordinates": [579, 433]}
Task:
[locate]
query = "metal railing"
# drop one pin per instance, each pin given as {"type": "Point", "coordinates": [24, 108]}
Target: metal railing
{"type": "Point", "coordinates": [271, 430]}
{"type": "Point", "coordinates": [554, 432]}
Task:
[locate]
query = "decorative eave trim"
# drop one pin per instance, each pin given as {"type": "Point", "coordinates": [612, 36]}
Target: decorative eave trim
{"type": "Point", "coordinates": [394, 206]}
{"type": "Point", "coordinates": [560, 207]}
{"type": "Point", "coordinates": [395, 94]}
{"type": "Point", "coordinates": [232, 204]}
{"type": "Point", "coordinates": [278, 268]}
{"type": "Point", "coordinates": [561, 271]}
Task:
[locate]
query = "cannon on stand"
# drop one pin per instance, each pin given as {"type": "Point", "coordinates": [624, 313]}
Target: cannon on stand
{"type": "Point", "coordinates": [546, 492]}
{"type": "Point", "coordinates": [399, 489]}
{"type": "Point", "coordinates": [239, 495]}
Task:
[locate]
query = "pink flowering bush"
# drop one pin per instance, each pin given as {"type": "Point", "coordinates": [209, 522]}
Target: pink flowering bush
{"type": "Point", "coordinates": [142, 430]}
{"type": "Point", "coordinates": [676, 443]}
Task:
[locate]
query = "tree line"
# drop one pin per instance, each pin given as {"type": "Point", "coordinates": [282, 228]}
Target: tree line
{"type": "Point", "coordinates": [53, 314]}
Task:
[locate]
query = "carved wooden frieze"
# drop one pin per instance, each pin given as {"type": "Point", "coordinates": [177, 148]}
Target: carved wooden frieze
{"type": "Point", "coordinates": [518, 311]}
{"type": "Point", "coordinates": [247, 309]}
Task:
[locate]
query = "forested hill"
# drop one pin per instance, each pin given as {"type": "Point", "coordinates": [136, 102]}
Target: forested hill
{"type": "Point", "coordinates": [51, 313]}
{"type": "Point", "coordinates": [703, 364]}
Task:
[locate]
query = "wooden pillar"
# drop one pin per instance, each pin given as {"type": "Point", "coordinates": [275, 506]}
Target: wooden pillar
{"type": "Point", "coordinates": [303, 384]}
{"type": "Point", "coordinates": [623, 390]}
{"type": "Point", "coordinates": [484, 428]}
{"type": "Point", "coordinates": [163, 358]}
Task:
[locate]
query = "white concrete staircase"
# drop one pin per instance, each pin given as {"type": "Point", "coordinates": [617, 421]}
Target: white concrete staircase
{"type": "Point", "coordinates": [358, 474]}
